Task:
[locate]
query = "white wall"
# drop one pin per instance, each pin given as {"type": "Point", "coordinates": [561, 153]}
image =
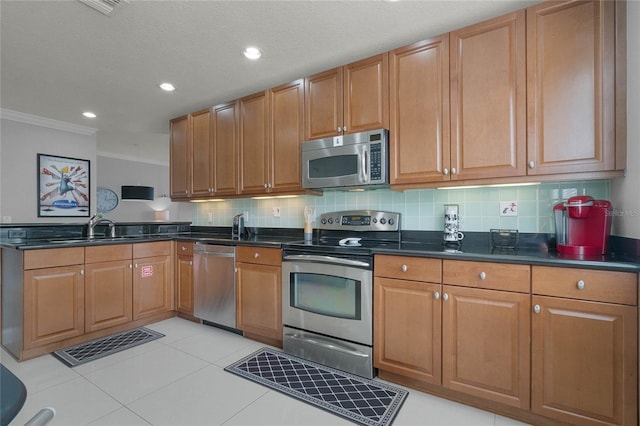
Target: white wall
{"type": "Point", "coordinates": [624, 192]}
{"type": "Point", "coordinates": [115, 172]}
{"type": "Point", "coordinates": [20, 142]}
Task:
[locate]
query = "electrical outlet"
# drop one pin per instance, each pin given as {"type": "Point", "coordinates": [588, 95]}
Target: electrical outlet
{"type": "Point", "coordinates": [246, 217]}
{"type": "Point", "coordinates": [276, 211]}
{"type": "Point", "coordinates": [508, 208]}
{"type": "Point", "coordinates": [210, 217]}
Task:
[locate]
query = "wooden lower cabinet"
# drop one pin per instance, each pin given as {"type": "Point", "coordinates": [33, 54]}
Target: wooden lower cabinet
{"type": "Point", "coordinates": [259, 292]}
{"type": "Point", "coordinates": [108, 294]}
{"type": "Point", "coordinates": [584, 361]}
{"type": "Point", "coordinates": [407, 335]}
{"type": "Point", "coordinates": [53, 304]}
{"type": "Point", "coordinates": [152, 290]}
{"type": "Point", "coordinates": [184, 277]}
{"type": "Point", "coordinates": [485, 344]}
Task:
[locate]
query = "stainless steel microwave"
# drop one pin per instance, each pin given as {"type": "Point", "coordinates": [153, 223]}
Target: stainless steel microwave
{"type": "Point", "coordinates": [346, 161]}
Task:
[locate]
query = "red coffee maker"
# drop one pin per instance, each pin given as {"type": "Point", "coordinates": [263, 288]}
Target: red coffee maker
{"type": "Point", "coordinates": [583, 226]}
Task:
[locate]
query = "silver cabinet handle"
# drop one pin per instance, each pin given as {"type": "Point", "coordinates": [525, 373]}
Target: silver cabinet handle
{"type": "Point", "coordinates": [453, 171]}
{"type": "Point", "coordinates": [136, 266]}
{"type": "Point", "coordinates": [344, 129]}
{"type": "Point", "coordinates": [436, 295]}
{"type": "Point", "coordinates": [183, 248]}
{"type": "Point", "coordinates": [81, 271]}
{"type": "Point", "coordinates": [532, 164]}
{"type": "Point", "coordinates": [256, 255]}
{"type": "Point", "coordinates": [580, 285]}
{"type": "Point", "coordinates": [339, 129]}
{"type": "Point", "coordinates": [445, 171]}
{"type": "Point", "coordinates": [445, 297]}
{"type": "Point", "coordinates": [191, 263]}
{"type": "Point", "coordinates": [404, 268]}
{"type": "Point", "coordinates": [265, 186]}
{"type": "Point", "coordinates": [483, 275]}
{"type": "Point", "coordinates": [130, 266]}
{"type": "Point", "coordinates": [536, 309]}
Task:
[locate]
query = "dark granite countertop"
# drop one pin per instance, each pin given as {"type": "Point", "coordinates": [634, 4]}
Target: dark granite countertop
{"type": "Point", "coordinates": [533, 248]}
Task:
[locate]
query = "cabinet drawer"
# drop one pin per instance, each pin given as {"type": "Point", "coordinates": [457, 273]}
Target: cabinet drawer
{"type": "Point", "coordinates": [408, 268]}
{"type": "Point", "coordinates": [261, 255]}
{"type": "Point", "coordinates": [107, 253]}
{"type": "Point", "coordinates": [184, 248]}
{"type": "Point", "coordinates": [158, 248]}
{"type": "Point", "coordinates": [586, 284]}
{"type": "Point", "coordinates": [496, 276]}
{"type": "Point", "coordinates": [48, 258]}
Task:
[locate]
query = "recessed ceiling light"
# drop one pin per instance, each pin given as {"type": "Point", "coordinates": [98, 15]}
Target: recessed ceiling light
{"type": "Point", "coordinates": [252, 53]}
{"type": "Point", "coordinates": [89, 114]}
{"type": "Point", "coordinates": [167, 87]}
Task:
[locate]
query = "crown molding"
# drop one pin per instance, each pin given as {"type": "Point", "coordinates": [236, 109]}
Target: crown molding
{"type": "Point", "coordinates": [22, 117]}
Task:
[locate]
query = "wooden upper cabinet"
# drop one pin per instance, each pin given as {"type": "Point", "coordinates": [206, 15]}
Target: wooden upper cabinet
{"type": "Point", "coordinates": [348, 99]}
{"type": "Point", "coordinates": [419, 111]}
{"type": "Point", "coordinates": [179, 157]}
{"type": "Point", "coordinates": [286, 127]}
{"type": "Point", "coordinates": [488, 99]}
{"type": "Point", "coordinates": [202, 183]}
{"type": "Point", "coordinates": [366, 94]}
{"type": "Point", "coordinates": [571, 87]}
{"type": "Point", "coordinates": [254, 143]}
{"type": "Point", "coordinates": [225, 148]}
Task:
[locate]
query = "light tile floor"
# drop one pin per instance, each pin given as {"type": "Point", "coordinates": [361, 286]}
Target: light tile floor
{"type": "Point", "coordinates": [179, 380]}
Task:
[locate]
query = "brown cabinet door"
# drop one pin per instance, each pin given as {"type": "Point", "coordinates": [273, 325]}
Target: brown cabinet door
{"type": "Point", "coordinates": [108, 294]}
{"type": "Point", "coordinates": [201, 154]}
{"type": "Point", "coordinates": [184, 278]}
{"type": "Point", "coordinates": [419, 104]}
{"type": "Point", "coordinates": [407, 337]}
{"type": "Point", "coordinates": [323, 104]}
{"type": "Point", "coordinates": [259, 299]}
{"type": "Point", "coordinates": [571, 83]}
{"type": "Point", "coordinates": [488, 99]}
{"type": "Point", "coordinates": [584, 361]}
{"type": "Point", "coordinates": [286, 135]}
{"type": "Point", "coordinates": [53, 305]}
{"type": "Point", "coordinates": [152, 289]}
{"type": "Point", "coordinates": [485, 344]}
{"type": "Point", "coordinates": [254, 143]}
{"type": "Point", "coordinates": [179, 157]}
{"type": "Point", "coordinates": [225, 146]}
{"type": "Point", "coordinates": [366, 94]}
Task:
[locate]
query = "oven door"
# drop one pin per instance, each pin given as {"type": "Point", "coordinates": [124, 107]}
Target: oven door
{"type": "Point", "coordinates": [328, 298]}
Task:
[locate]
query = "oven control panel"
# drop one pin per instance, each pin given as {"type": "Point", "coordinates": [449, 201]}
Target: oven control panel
{"type": "Point", "coordinates": [360, 220]}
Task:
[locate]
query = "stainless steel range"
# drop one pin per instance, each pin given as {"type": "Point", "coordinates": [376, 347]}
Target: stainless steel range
{"type": "Point", "coordinates": [327, 289]}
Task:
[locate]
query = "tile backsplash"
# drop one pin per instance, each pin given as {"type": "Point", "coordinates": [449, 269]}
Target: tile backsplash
{"type": "Point", "coordinates": [421, 209]}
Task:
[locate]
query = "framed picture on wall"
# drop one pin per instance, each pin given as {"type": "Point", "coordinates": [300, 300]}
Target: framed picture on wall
{"type": "Point", "coordinates": [63, 186]}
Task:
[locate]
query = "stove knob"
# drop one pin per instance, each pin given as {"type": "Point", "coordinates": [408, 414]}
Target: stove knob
{"type": "Point", "coordinates": [383, 221]}
{"type": "Point", "coordinates": [330, 221]}
{"type": "Point", "coordinates": [323, 221]}
{"type": "Point", "coordinates": [390, 221]}
{"type": "Point", "coordinates": [337, 220]}
{"type": "Point", "coordinates": [375, 220]}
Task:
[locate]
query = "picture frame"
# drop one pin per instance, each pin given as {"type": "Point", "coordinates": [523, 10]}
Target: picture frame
{"type": "Point", "coordinates": [63, 186]}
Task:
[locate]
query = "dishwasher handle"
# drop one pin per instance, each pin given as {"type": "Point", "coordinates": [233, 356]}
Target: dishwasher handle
{"type": "Point", "coordinates": [215, 250]}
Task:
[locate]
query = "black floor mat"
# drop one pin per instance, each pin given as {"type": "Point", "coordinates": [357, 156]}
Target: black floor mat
{"type": "Point", "coordinates": [99, 348]}
{"type": "Point", "coordinates": [355, 398]}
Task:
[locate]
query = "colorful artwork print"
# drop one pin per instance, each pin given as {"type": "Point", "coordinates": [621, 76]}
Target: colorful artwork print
{"type": "Point", "coordinates": [63, 186]}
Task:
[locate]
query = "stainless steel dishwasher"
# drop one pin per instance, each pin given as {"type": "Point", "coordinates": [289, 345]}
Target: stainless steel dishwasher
{"type": "Point", "coordinates": [214, 284]}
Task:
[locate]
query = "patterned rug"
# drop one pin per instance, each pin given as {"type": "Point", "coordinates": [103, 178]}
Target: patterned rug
{"type": "Point", "coordinates": [355, 398]}
{"type": "Point", "coordinates": [99, 348]}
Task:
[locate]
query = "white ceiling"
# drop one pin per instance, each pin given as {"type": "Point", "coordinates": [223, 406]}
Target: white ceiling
{"type": "Point", "coordinates": [60, 58]}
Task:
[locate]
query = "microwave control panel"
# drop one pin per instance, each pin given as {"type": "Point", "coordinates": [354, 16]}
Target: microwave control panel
{"type": "Point", "coordinates": [376, 161]}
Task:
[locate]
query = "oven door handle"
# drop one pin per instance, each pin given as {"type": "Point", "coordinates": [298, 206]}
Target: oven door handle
{"type": "Point", "coordinates": [333, 345]}
{"type": "Point", "coordinates": [326, 259]}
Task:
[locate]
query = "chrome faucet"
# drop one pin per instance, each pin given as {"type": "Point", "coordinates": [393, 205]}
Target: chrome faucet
{"type": "Point", "coordinates": [95, 221]}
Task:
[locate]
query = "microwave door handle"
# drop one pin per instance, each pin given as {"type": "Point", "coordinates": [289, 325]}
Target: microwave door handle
{"type": "Point", "coordinates": [364, 172]}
